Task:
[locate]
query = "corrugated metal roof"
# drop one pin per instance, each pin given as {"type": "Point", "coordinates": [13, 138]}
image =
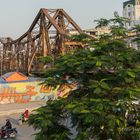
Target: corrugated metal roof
{"type": "Point", "coordinates": [6, 75]}
{"type": "Point", "coordinates": [2, 80]}
{"type": "Point", "coordinates": [30, 79]}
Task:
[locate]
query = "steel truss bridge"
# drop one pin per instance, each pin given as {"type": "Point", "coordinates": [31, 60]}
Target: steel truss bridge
{"type": "Point", "coordinates": [47, 35]}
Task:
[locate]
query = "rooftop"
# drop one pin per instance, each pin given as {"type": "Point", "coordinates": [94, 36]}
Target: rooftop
{"type": "Point", "coordinates": [133, 2]}
{"type": "Point", "coordinates": [15, 77]}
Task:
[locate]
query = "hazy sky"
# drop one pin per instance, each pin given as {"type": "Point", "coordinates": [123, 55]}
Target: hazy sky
{"type": "Point", "coordinates": [17, 15]}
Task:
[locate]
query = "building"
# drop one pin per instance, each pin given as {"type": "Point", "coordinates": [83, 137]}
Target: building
{"type": "Point", "coordinates": [97, 32]}
{"type": "Point", "coordinates": [131, 10]}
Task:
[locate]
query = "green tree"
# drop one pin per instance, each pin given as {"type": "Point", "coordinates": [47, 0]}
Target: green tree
{"type": "Point", "coordinates": [118, 29]}
{"type": "Point", "coordinates": [102, 106]}
{"type": "Point", "coordinates": [120, 21]}
{"type": "Point", "coordinates": [118, 32]}
{"type": "Point", "coordinates": [116, 26]}
{"type": "Point", "coordinates": [102, 22]}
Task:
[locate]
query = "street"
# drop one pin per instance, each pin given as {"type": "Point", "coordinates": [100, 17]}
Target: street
{"type": "Point", "coordinates": [24, 131]}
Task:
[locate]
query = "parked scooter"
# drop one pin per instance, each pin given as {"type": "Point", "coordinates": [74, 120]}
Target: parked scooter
{"type": "Point", "coordinates": [21, 119]}
{"type": "Point", "coordinates": [7, 133]}
{"type": "Point", "coordinates": [24, 117]}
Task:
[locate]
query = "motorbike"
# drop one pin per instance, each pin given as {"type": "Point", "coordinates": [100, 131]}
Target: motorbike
{"type": "Point", "coordinates": [22, 119]}
{"type": "Point", "coordinates": [8, 133]}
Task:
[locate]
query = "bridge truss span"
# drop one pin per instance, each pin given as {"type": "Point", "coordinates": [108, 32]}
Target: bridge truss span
{"type": "Point", "coordinates": [47, 35]}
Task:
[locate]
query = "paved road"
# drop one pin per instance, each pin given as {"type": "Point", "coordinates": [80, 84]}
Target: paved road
{"type": "Point", "coordinates": [7, 109]}
{"type": "Point", "coordinates": [24, 132]}
{"type": "Point", "coordinates": [12, 112]}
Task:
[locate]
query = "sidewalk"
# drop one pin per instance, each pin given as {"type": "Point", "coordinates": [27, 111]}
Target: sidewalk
{"type": "Point", "coordinates": [7, 109]}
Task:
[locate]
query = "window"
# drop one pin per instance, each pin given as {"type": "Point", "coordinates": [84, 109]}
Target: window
{"type": "Point", "coordinates": [129, 14]}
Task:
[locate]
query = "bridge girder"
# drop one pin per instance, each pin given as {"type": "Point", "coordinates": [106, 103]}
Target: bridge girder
{"type": "Point", "coordinates": [47, 35]}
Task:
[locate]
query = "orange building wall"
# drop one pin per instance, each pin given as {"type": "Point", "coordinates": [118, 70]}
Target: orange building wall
{"type": "Point", "coordinates": [16, 77]}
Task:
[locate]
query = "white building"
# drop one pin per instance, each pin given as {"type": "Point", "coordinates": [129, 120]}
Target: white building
{"type": "Point", "coordinates": [131, 10]}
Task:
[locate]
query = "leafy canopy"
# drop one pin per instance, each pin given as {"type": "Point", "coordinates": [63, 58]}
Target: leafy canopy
{"type": "Point", "coordinates": [102, 106]}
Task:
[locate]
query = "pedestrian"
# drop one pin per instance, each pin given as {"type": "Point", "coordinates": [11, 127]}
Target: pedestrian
{"type": "Point", "coordinates": [8, 124]}
{"type": "Point", "coordinates": [26, 114]}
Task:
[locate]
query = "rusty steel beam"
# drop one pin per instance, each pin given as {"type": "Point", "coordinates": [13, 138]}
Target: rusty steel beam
{"type": "Point", "coordinates": [52, 21]}
{"type": "Point", "coordinates": [48, 32]}
{"type": "Point", "coordinates": [30, 29]}
{"type": "Point", "coordinates": [71, 21]}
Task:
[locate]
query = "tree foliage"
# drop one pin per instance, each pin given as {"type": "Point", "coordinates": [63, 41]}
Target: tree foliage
{"type": "Point", "coordinates": [117, 20]}
{"type": "Point", "coordinates": [102, 22]}
{"type": "Point", "coordinates": [103, 105]}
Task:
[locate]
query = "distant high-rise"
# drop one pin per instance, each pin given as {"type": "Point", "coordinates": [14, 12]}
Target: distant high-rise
{"type": "Point", "coordinates": [131, 10]}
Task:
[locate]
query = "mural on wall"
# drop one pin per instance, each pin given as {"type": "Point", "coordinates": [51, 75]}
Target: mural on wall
{"type": "Point", "coordinates": [22, 92]}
